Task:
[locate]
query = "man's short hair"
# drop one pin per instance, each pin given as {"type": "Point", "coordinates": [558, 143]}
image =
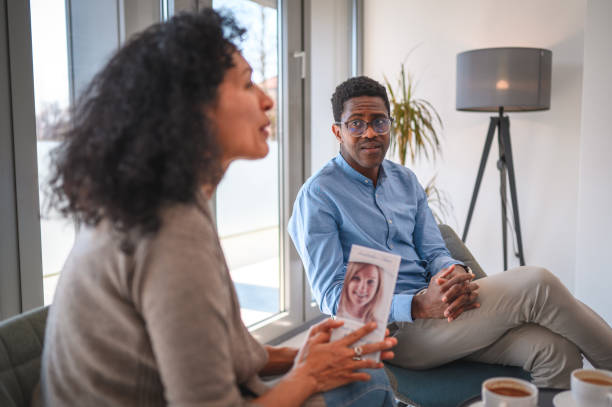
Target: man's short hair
{"type": "Point", "coordinates": [355, 87]}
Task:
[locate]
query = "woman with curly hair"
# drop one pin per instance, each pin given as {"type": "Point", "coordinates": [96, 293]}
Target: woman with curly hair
{"type": "Point", "coordinates": [361, 292]}
{"type": "Point", "coordinates": [145, 312]}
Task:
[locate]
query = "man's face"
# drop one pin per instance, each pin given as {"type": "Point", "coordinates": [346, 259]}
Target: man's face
{"type": "Point", "coordinates": [365, 153]}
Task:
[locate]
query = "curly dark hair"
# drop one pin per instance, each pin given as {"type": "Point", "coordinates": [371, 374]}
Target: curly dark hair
{"type": "Point", "coordinates": [355, 87]}
{"type": "Point", "coordinates": [138, 138]}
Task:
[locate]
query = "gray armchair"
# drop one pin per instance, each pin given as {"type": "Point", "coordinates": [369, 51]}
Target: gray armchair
{"type": "Point", "coordinates": [450, 384]}
{"type": "Point", "coordinates": [21, 343]}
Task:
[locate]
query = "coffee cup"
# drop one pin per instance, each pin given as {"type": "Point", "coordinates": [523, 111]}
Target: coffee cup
{"type": "Point", "coordinates": [592, 387]}
{"type": "Point", "coordinates": [509, 392]}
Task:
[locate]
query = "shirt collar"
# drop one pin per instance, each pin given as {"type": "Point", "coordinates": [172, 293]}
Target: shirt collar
{"type": "Point", "coordinates": [356, 175]}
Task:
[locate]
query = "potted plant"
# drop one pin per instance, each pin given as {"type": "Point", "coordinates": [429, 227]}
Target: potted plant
{"type": "Point", "coordinates": [413, 131]}
{"type": "Point", "coordinates": [415, 134]}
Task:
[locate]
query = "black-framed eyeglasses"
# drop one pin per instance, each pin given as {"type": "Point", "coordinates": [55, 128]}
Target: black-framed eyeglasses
{"type": "Point", "coordinates": [358, 127]}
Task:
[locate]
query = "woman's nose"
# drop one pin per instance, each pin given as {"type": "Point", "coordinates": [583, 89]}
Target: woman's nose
{"type": "Point", "coordinates": [266, 101]}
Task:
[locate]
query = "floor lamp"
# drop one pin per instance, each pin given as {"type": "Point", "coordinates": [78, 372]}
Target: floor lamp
{"type": "Point", "coordinates": [502, 80]}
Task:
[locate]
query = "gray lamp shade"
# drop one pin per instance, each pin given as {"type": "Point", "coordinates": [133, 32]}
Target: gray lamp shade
{"type": "Point", "coordinates": [517, 79]}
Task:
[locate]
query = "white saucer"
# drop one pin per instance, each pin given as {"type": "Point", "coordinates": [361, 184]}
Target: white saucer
{"type": "Point", "coordinates": [564, 399]}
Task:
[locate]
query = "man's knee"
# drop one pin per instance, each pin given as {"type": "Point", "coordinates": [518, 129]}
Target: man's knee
{"type": "Point", "coordinates": [533, 276]}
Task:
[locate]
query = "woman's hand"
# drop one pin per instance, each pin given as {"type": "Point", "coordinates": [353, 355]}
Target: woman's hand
{"type": "Point", "coordinates": [321, 365]}
{"type": "Point", "coordinates": [324, 365]}
{"type": "Point", "coordinates": [280, 360]}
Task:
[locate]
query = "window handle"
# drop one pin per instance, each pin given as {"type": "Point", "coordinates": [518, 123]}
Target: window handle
{"type": "Point", "coordinates": [302, 56]}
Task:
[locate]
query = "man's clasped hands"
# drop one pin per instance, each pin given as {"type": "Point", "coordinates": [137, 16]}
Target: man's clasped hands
{"type": "Point", "coordinates": [450, 293]}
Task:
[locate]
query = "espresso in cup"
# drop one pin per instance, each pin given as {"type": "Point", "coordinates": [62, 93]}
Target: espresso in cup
{"type": "Point", "coordinates": [509, 392]}
{"type": "Point", "coordinates": [592, 387]}
{"type": "Point", "coordinates": [597, 380]}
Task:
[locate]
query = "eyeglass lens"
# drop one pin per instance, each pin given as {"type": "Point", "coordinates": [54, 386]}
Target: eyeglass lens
{"type": "Point", "coordinates": [380, 125]}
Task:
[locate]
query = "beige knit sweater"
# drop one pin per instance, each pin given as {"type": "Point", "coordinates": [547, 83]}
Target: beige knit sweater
{"type": "Point", "coordinates": [159, 327]}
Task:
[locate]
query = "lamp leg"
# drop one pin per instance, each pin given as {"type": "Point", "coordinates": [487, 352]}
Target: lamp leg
{"type": "Point", "coordinates": [501, 166]}
{"type": "Point", "coordinates": [505, 136]}
{"type": "Point", "coordinates": [483, 161]}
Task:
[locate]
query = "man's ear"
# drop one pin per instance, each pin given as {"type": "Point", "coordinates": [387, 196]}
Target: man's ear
{"type": "Point", "coordinates": [336, 131]}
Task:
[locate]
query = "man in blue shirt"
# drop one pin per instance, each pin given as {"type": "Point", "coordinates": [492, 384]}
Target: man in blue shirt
{"type": "Point", "coordinates": [525, 317]}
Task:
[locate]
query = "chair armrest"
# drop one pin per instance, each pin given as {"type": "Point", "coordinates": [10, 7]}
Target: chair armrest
{"type": "Point", "coordinates": [459, 251]}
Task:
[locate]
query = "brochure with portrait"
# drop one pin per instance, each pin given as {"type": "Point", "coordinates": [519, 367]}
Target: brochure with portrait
{"type": "Point", "coordinates": [367, 293]}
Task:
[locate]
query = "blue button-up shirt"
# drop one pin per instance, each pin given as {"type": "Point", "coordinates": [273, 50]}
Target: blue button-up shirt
{"type": "Point", "coordinates": [338, 207]}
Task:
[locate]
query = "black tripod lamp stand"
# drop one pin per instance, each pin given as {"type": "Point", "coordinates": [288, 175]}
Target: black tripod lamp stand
{"type": "Point", "coordinates": [502, 80]}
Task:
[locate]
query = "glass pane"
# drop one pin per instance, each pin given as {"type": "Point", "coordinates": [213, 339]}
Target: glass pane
{"type": "Point", "coordinates": [51, 93]}
{"type": "Point", "coordinates": [248, 199]}
{"type": "Point", "coordinates": [66, 54]}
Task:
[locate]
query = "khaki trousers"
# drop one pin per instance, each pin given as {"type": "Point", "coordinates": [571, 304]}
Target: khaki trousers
{"type": "Point", "coordinates": [527, 318]}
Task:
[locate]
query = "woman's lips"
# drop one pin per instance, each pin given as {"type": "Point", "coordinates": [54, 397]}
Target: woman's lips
{"type": "Point", "coordinates": [265, 129]}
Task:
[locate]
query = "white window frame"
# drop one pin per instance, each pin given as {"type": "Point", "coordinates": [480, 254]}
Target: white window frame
{"type": "Point", "coordinates": [21, 275]}
{"type": "Point", "coordinates": [21, 280]}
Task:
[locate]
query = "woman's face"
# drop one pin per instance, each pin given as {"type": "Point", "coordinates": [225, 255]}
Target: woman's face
{"type": "Point", "coordinates": [239, 115]}
{"type": "Point", "coordinates": [362, 287]}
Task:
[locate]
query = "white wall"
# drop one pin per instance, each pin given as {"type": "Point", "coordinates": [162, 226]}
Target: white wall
{"type": "Point", "coordinates": [545, 144]}
{"type": "Point", "coordinates": [593, 273]}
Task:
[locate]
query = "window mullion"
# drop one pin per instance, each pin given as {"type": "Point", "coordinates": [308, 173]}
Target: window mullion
{"type": "Point", "coordinates": [24, 145]}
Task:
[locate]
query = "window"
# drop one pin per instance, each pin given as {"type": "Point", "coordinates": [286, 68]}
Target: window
{"type": "Point", "coordinates": [70, 41]}
{"type": "Point", "coordinates": [254, 199]}
{"type": "Point", "coordinates": [247, 199]}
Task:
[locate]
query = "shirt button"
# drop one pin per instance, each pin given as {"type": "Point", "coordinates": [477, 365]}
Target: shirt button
{"type": "Point", "coordinates": [390, 221]}
{"type": "Point", "coordinates": [391, 245]}
{"type": "Point", "coordinates": [366, 181]}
